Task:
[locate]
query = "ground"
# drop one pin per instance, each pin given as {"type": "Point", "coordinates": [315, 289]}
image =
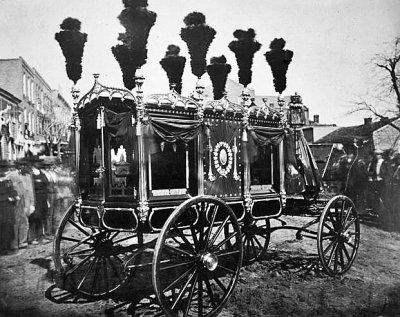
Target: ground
{"type": "Point", "coordinates": [286, 282]}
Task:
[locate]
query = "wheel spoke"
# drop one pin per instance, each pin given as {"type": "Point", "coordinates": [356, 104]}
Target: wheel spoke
{"type": "Point", "coordinates": [87, 273]}
{"type": "Point", "coordinates": [220, 284]}
{"type": "Point", "coordinates": [214, 213]}
{"type": "Point", "coordinates": [115, 269]}
{"type": "Point", "coordinates": [80, 252]}
{"type": "Point", "coordinates": [70, 239]}
{"type": "Point", "coordinates": [326, 250]}
{"type": "Point", "coordinates": [257, 241]}
{"type": "Point", "coordinates": [210, 293]}
{"type": "Point", "coordinates": [179, 278]}
{"type": "Point", "coordinates": [179, 250]}
{"type": "Point", "coordinates": [222, 225]}
{"type": "Point", "coordinates": [72, 270]}
{"type": "Point", "coordinates": [342, 264]}
{"type": "Point", "coordinates": [96, 272]}
{"type": "Point", "coordinates": [253, 247]}
{"type": "Point", "coordinates": [333, 221]}
{"type": "Point", "coordinates": [185, 240]}
{"type": "Point", "coordinates": [173, 266]}
{"type": "Point", "coordinates": [347, 216]}
{"type": "Point", "coordinates": [226, 269]}
{"type": "Point", "coordinates": [350, 244]}
{"type": "Point", "coordinates": [106, 274]}
{"type": "Point", "coordinates": [200, 295]}
{"type": "Point", "coordinates": [124, 239]}
{"type": "Point", "coordinates": [219, 245]}
{"type": "Point", "coordinates": [78, 227]}
{"type": "Point", "coordinates": [192, 276]}
{"type": "Point", "coordinates": [351, 222]}
{"type": "Point", "coordinates": [346, 252]}
{"type": "Point", "coordinates": [191, 292]}
{"type": "Point", "coordinates": [335, 262]}
{"type": "Point", "coordinates": [194, 236]}
{"type": "Point", "coordinates": [228, 253]}
{"type": "Point", "coordinates": [328, 237]}
{"type": "Point", "coordinates": [329, 227]}
{"type": "Point", "coordinates": [332, 253]}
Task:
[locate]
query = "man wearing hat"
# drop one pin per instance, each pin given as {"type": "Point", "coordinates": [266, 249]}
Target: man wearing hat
{"type": "Point", "coordinates": [377, 174]}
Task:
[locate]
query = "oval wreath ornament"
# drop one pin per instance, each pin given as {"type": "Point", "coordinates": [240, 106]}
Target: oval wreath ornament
{"type": "Point", "coordinates": [223, 158]}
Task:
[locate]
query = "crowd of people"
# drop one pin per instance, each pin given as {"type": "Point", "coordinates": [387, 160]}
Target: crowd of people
{"type": "Point", "coordinates": [34, 194]}
{"type": "Point", "coordinates": [374, 184]}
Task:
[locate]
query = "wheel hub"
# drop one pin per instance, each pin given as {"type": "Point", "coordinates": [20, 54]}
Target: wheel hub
{"type": "Point", "coordinates": [210, 261]}
{"type": "Point", "coordinates": [103, 247]}
{"type": "Point", "coordinates": [346, 236]}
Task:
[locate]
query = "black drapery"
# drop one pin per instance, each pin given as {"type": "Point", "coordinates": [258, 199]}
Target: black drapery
{"type": "Point", "coordinates": [301, 171]}
{"type": "Point", "coordinates": [264, 135]}
{"type": "Point", "coordinates": [118, 124]}
{"type": "Point", "coordinates": [312, 177]}
{"type": "Point", "coordinates": [174, 129]}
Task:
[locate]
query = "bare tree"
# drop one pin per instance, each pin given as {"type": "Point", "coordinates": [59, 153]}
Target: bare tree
{"type": "Point", "coordinates": [53, 132]}
{"type": "Point", "coordinates": [389, 63]}
{"type": "Point", "coordinates": [385, 102]}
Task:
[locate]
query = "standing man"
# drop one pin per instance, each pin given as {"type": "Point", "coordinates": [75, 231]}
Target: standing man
{"type": "Point", "coordinates": [377, 174]}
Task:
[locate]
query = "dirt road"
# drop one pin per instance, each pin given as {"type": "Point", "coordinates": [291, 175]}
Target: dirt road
{"type": "Point", "coordinates": [287, 282]}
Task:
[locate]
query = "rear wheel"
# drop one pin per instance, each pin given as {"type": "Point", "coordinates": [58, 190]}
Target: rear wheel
{"type": "Point", "coordinates": [338, 235]}
{"type": "Point", "coordinates": [196, 267]}
{"type": "Point", "coordinates": [89, 261]}
{"type": "Point", "coordinates": [255, 238]}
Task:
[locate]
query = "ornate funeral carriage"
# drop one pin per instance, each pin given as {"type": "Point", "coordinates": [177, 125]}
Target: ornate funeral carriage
{"type": "Point", "coordinates": [186, 189]}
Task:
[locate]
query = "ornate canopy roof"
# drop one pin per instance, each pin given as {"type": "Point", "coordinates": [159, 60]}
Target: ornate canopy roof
{"type": "Point", "coordinates": [98, 90]}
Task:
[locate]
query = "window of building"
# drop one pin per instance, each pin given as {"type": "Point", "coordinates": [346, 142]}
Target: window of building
{"type": "Point", "coordinates": [24, 90]}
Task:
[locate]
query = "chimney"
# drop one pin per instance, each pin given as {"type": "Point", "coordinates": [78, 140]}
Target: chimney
{"type": "Point", "coordinates": [316, 118]}
{"type": "Point", "coordinates": [367, 121]}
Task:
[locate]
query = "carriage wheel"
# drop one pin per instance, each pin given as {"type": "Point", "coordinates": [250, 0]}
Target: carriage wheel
{"type": "Point", "coordinates": [255, 238]}
{"type": "Point", "coordinates": [338, 235]}
{"type": "Point", "coordinates": [195, 267]}
{"type": "Point", "coordinates": [89, 262]}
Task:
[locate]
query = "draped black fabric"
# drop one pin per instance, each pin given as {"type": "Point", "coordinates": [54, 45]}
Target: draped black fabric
{"type": "Point", "coordinates": [312, 177]}
{"type": "Point", "coordinates": [294, 180]}
{"type": "Point", "coordinates": [301, 171]}
{"type": "Point", "coordinates": [118, 124]}
{"type": "Point", "coordinates": [174, 129]}
{"type": "Point", "coordinates": [266, 135]}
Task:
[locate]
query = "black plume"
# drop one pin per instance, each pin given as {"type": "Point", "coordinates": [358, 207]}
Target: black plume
{"type": "Point", "coordinates": [72, 41]}
{"type": "Point", "coordinates": [244, 48]}
{"type": "Point", "coordinates": [198, 37]}
{"type": "Point", "coordinates": [218, 71]}
{"type": "Point", "coordinates": [132, 53]}
{"type": "Point", "coordinates": [279, 60]}
{"type": "Point", "coordinates": [173, 64]}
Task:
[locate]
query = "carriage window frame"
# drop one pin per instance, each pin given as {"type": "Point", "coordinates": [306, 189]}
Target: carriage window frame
{"type": "Point", "coordinates": [188, 163]}
{"type": "Point", "coordinates": [129, 161]}
{"type": "Point", "coordinates": [272, 168]}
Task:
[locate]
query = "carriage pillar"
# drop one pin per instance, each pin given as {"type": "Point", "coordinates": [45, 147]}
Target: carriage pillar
{"type": "Point", "coordinates": [143, 201]}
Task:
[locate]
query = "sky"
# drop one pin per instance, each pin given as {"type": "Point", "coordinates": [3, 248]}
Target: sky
{"type": "Point", "coordinates": [333, 43]}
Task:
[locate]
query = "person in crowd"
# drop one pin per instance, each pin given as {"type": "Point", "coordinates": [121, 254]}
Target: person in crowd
{"type": "Point", "coordinates": [25, 205]}
{"type": "Point", "coordinates": [51, 178]}
{"type": "Point", "coordinates": [377, 178]}
{"type": "Point", "coordinates": [8, 203]}
{"type": "Point", "coordinates": [37, 220]}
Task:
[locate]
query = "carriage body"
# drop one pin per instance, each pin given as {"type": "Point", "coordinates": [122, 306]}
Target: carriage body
{"type": "Point", "coordinates": [138, 162]}
{"type": "Point", "coordinates": [194, 184]}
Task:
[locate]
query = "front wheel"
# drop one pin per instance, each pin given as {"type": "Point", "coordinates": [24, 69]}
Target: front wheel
{"type": "Point", "coordinates": [338, 235]}
{"type": "Point", "coordinates": [195, 267]}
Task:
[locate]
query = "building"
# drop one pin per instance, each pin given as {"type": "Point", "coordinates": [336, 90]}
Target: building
{"type": "Point", "coordinates": [39, 104]}
{"type": "Point", "coordinates": [10, 126]}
